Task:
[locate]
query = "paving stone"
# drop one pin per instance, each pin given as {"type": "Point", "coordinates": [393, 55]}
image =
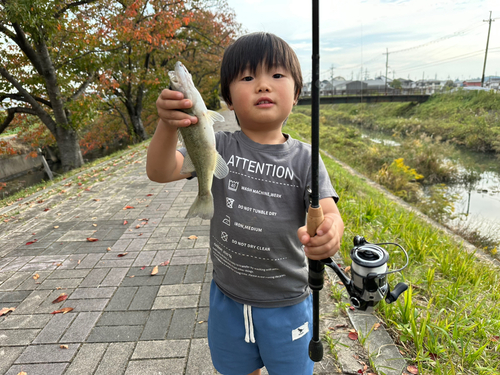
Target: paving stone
{"type": "Point", "coordinates": [89, 261]}
{"type": "Point", "coordinates": [17, 263]}
{"type": "Point", "coordinates": [32, 302]}
{"type": "Point", "coordinates": [89, 293]}
{"type": "Point", "coordinates": [144, 298]}
{"type": "Point", "coordinates": [60, 283]}
{"type": "Point", "coordinates": [195, 273]}
{"type": "Point", "coordinates": [80, 305]}
{"type": "Point", "coordinates": [87, 359]}
{"type": "Point", "coordinates": [121, 299]}
{"type": "Point", "coordinates": [175, 274]}
{"type": "Point", "coordinates": [156, 366]}
{"type": "Point", "coordinates": [163, 256]}
{"type": "Point", "coordinates": [94, 277]}
{"type": "Point", "coordinates": [112, 263]}
{"type": "Point", "coordinates": [121, 245]}
{"type": "Point", "coordinates": [123, 318]}
{"type": "Point", "coordinates": [47, 354]}
{"type": "Point", "coordinates": [137, 244]}
{"type": "Point", "coordinates": [205, 295]}
{"type": "Point", "coordinates": [175, 302]}
{"type": "Point", "coordinates": [179, 290]}
{"type": "Point", "coordinates": [48, 305]}
{"type": "Point", "coordinates": [7, 356]}
{"type": "Point", "coordinates": [157, 325]}
{"type": "Point", "coordinates": [201, 326]}
{"type": "Point", "coordinates": [81, 327]}
{"type": "Point", "coordinates": [199, 359]}
{"type": "Point", "coordinates": [31, 284]}
{"type": "Point", "coordinates": [145, 258]}
{"type": "Point", "coordinates": [114, 277]}
{"type": "Point", "coordinates": [13, 297]}
{"type": "Point", "coordinates": [25, 321]}
{"type": "Point", "coordinates": [55, 328]}
{"type": "Point", "coordinates": [14, 281]}
{"type": "Point", "coordinates": [115, 333]}
{"type": "Point", "coordinates": [161, 349]}
{"type": "Point", "coordinates": [17, 337]}
{"type": "Point", "coordinates": [183, 260]}
{"type": "Point", "coordinates": [181, 326]}
{"type": "Point", "coordinates": [39, 369]}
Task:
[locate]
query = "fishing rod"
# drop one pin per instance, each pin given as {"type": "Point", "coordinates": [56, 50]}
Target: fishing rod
{"type": "Point", "coordinates": [368, 284]}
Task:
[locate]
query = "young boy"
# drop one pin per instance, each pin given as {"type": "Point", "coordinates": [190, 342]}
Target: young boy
{"type": "Point", "coordinates": [260, 303]}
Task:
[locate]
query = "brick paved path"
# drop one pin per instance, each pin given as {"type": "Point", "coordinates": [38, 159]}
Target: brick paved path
{"type": "Point", "coordinates": [124, 320]}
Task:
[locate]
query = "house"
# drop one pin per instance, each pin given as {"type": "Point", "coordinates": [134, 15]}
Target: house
{"type": "Point", "coordinates": [472, 82]}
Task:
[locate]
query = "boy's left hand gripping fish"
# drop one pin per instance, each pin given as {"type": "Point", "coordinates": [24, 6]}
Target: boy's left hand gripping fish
{"type": "Point", "coordinates": [199, 140]}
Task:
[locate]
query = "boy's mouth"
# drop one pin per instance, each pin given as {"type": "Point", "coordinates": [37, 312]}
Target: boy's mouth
{"type": "Point", "coordinates": [262, 101]}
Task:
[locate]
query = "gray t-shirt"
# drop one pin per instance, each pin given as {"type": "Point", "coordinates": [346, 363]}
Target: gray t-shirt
{"type": "Point", "coordinates": [257, 257]}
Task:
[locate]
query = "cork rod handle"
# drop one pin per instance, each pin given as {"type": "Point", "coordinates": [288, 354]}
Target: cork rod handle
{"type": "Point", "coordinates": [314, 219]}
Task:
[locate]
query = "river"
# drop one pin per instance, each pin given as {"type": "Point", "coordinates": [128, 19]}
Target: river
{"type": "Point", "coordinates": [478, 203]}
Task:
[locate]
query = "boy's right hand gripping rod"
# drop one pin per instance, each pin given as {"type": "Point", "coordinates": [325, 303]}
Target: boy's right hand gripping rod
{"type": "Point", "coordinates": [315, 213]}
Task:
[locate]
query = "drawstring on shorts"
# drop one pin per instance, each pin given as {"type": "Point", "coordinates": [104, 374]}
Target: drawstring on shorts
{"type": "Point", "coordinates": [247, 315]}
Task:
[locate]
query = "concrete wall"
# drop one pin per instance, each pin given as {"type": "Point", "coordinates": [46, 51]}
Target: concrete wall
{"type": "Point", "coordinates": [17, 165]}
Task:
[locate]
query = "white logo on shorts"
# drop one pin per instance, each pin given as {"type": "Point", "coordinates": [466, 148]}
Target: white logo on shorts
{"type": "Point", "coordinates": [301, 331]}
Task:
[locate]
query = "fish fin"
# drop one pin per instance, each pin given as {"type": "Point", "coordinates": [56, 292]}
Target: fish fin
{"type": "Point", "coordinates": [187, 165]}
{"type": "Point", "coordinates": [215, 116]}
{"type": "Point", "coordinates": [203, 207]}
{"type": "Point", "coordinates": [221, 168]}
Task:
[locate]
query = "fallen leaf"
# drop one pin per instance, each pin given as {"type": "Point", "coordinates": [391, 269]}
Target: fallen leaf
{"type": "Point", "coordinates": [61, 298]}
{"type": "Point", "coordinates": [64, 310]}
{"type": "Point", "coordinates": [155, 270]}
{"type": "Point", "coordinates": [341, 325]}
{"type": "Point", "coordinates": [6, 310]}
{"type": "Point", "coordinates": [22, 373]}
{"type": "Point", "coordinates": [94, 225]}
{"type": "Point", "coordinates": [137, 226]}
{"type": "Point", "coordinates": [149, 195]}
{"type": "Point", "coordinates": [193, 237]}
{"type": "Point", "coordinates": [495, 338]}
{"type": "Point", "coordinates": [56, 226]}
{"type": "Point", "coordinates": [127, 207]}
{"type": "Point", "coordinates": [47, 209]}
{"type": "Point", "coordinates": [36, 276]}
{"type": "Point", "coordinates": [353, 335]}
{"type": "Point", "coordinates": [352, 308]}
{"type": "Point", "coordinates": [63, 346]}
{"type": "Point", "coordinates": [31, 242]}
{"type": "Point", "coordinates": [143, 267]}
{"type": "Point", "coordinates": [90, 239]}
{"type": "Point", "coordinates": [125, 222]}
{"type": "Point", "coordinates": [166, 263]}
{"type": "Point", "coordinates": [412, 369]}
{"type": "Point", "coordinates": [347, 269]}
{"type": "Point", "coordinates": [122, 254]}
{"type": "Point", "coordinates": [376, 326]}
{"type": "Point", "coordinates": [132, 276]}
{"type": "Point", "coordinates": [108, 249]}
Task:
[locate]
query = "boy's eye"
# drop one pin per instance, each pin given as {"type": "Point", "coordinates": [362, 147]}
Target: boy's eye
{"type": "Point", "coordinates": [278, 75]}
{"type": "Point", "coordinates": [247, 78]}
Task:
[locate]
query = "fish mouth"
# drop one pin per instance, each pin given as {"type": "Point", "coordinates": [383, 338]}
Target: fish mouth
{"type": "Point", "coordinates": [264, 100]}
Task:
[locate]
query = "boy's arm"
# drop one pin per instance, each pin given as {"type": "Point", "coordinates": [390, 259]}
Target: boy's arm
{"type": "Point", "coordinates": [164, 163]}
{"type": "Point", "coordinates": [328, 235]}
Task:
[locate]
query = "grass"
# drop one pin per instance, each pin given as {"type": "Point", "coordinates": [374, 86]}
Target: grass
{"type": "Point", "coordinates": [448, 321]}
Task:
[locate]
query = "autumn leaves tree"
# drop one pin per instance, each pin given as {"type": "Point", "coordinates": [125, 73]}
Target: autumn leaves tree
{"type": "Point", "coordinates": [63, 60]}
{"type": "Point", "coordinates": [49, 58]}
{"type": "Point", "coordinates": [150, 35]}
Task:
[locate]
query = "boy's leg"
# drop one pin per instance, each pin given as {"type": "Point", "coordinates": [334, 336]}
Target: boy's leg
{"type": "Point", "coordinates": [231, 355]}
{"type": "Point", "coordinates": [283, 335]}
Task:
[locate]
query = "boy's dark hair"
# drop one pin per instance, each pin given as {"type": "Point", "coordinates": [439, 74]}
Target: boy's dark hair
{"type": "Point", "coordinates": [251, 50]}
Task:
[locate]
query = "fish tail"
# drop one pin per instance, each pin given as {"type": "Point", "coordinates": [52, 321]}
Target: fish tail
{"type": "Point", "coordinates": [203, 207]}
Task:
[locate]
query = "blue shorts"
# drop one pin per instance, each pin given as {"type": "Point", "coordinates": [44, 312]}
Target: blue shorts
{"type": "Point", "coordinates": [243, 339]}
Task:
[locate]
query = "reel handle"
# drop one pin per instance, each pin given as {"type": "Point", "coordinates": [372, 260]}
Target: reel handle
{"type": "Point", "coordinates": [398, 290]}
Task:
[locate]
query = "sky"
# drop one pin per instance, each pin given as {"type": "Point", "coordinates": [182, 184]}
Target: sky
{"type": "Point", "coordinates": [443, 39]}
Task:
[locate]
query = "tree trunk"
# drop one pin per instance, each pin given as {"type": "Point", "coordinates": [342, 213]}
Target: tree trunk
{"type": "Point", "coordinates": [69, 148]}
{"type": "Point", "coordinates": [138, 126]}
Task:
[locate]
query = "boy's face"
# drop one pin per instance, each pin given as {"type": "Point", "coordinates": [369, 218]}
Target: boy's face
{"type": "Point", "coordinates": [262, 101]}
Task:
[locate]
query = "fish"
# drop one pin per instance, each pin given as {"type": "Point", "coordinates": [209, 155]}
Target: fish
{"type": "Point", "coordinates": [199, 140]}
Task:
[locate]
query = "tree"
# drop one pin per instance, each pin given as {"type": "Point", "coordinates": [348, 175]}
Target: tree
{"type": "Point", "coordinates": [50, 53]}
{"type": "Point", "coordinates": [149, 36]}
{"type": "Point", "coordinates": [396, 84]}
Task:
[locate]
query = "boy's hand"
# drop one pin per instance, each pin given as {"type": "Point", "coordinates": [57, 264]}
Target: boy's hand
{"type": "Point", "coordinates": [328, 235]}
{"type": "Point", "coordinates": [168, 105]}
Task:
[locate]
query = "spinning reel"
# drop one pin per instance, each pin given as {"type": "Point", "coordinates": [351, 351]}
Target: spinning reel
{"type": "Point", "coordinates": [368, 284]}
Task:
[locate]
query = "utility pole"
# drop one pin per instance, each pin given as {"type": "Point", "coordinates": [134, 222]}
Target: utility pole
{"type": "Point", "coordinates": [386, 68]}
{"type": "Point", "coordinates": [486, 53]}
